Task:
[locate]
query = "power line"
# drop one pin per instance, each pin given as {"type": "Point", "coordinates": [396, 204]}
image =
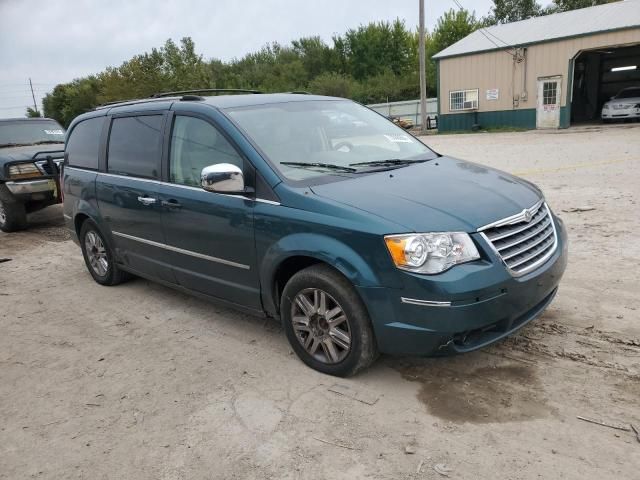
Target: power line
{"type": "Point", "coordinates": [27, 84]}
{"type": "Point", "coordinates": [485, 32]}
{"type": "Point", "coordinates": [15, 106]}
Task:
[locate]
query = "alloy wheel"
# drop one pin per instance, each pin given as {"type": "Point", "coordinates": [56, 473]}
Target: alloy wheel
{"type": "Point", "coordinates": [3, 214]}
{"type": "Point", "coordinates": [96, 253]}
{"type": "Point", "coordinates": [321, 326]}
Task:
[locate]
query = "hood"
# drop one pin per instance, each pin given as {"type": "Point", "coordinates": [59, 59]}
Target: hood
{"type": "Point", "coordinates": [12, 154]}
{"type": "Point", "coordinates": [444, 194]}
{"type": "Point", "coordinates": [624, 101]}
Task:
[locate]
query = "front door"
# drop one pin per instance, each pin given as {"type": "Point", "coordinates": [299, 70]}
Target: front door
{"type": "Point", "coordinates": [128, 193]}
{"type": "Point", "coordinates": [209, 236]}
{"type": "Point", "coordinates": [548, 105]}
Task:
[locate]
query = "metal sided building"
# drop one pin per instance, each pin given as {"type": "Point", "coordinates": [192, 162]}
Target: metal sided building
{"type": "Point", "coordinates": [544, 72]}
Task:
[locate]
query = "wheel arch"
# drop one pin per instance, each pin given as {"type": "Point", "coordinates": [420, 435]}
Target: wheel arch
{"type": "Point", "coordinates": [297, 252]}
{"type": "Point", "coordinates": [78, 221]}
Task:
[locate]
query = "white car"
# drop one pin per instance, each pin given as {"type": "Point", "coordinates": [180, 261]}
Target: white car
{"type": "Point", "coordinates": [626, 104]}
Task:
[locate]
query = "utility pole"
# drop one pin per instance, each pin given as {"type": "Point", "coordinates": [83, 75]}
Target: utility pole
{"type": "Point", "coordinates": [423, 74]}
{"type": "Point", "coordinates": [35, 105]}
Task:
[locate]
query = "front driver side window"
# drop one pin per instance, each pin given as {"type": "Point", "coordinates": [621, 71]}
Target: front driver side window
{"type": "Point", "coordinates": [196, 144]}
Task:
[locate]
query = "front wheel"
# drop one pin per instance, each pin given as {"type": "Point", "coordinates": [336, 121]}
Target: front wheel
{"type": "Point", "coordinates": [13, 214]}
{"type": "Point", "coordinates": [326, 322]}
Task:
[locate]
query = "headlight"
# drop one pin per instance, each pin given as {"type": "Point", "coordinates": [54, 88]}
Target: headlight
{"type": "Point", "coordinates": [23, 170]}
{"type": "Point", "coordinates": [605, 106]}
{"type": "Point", "coordinates": [430, 252]}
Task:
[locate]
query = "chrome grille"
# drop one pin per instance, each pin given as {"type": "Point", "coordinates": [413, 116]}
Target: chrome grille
{"type": "Point", "coordinates": [523, 245]}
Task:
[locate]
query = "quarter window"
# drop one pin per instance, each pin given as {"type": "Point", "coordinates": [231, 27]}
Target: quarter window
{"type": "Point", "coordinates": [84, 143]}
{"type": "Point", "coordinates": [135, 146]}
{"type": "Point", "coordinates": [463, 100]}
{"type": "Point", "coordinates": [196, 144]}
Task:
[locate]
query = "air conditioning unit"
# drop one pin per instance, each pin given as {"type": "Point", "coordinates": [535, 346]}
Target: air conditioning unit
{"type": "Point", "coordinates": [470, 105]}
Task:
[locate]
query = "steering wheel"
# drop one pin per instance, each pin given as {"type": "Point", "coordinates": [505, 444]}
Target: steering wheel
{"type": "Point", "coordinates": [341, 146]}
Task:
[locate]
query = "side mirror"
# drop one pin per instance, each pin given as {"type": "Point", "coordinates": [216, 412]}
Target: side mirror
{"type": "Point", "coordinates": [222, 178]}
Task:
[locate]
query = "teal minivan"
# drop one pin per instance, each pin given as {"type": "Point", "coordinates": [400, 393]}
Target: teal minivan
{"type": "Point", "coordinates": [315, 211]}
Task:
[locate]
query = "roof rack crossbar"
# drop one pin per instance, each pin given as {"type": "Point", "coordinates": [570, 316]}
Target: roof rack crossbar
{"type": "Point", "coordinates": [204, 90]}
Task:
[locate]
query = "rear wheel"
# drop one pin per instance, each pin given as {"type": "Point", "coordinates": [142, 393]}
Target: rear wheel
{"type": "Point", "coordinates": [13, 215]}
{"type": "Point", "coordinates": [326, 322]}
{"type": "Point", "coordinates": [98, 256]}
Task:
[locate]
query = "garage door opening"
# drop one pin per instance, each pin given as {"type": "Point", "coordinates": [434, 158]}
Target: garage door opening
{"type": "Point", "coordinates": [600, 74]}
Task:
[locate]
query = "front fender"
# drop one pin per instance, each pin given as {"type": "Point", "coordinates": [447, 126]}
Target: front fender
{"type": "Point", "coordinates": [321, 247]}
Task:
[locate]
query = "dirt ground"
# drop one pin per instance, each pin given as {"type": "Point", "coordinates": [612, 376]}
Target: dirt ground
{"type": "Point", "coordinates": [141, 382]}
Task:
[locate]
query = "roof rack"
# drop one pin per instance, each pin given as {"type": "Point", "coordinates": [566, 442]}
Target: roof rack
{"type": "Point", "coordinates": [133, 101]}
{"type": "Point", "coordinates": [204, 90]}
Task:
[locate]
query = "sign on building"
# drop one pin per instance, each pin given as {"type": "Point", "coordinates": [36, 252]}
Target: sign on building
{"type": "Point", "coordinates": [493, 94]}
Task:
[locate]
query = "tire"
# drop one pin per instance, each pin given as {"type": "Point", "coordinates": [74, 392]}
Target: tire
{"type": "Point", "coordinates": [326, 349]}
{"type": "Point", "coordinates": [98, 256]}
{"type": "Point", "coordinates": [13, 214]}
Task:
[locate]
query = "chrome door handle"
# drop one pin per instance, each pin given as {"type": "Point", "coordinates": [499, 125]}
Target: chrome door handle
{"type": "Point", "coordinates": [146, 200]}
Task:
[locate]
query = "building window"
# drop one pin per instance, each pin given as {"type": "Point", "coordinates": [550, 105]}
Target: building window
{"type": "Point", "coordinates": [549, 93]}
{"type": "Point", "coordinates": [463, 100]}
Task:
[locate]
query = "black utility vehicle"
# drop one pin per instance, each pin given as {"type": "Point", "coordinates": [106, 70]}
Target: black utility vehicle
{"type": "Point", "coordinates": [30, 151]}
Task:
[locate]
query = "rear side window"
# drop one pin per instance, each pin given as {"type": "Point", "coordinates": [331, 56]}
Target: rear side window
{"type": "Point", "coordinates": [84, 143]}
{"type": "Point", "coordinates": [196, 144]}
{"type": "Point", "coordinates": [135, 146]}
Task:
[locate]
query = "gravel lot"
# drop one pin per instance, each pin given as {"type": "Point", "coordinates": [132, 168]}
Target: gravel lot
{"type": "Point", "coordinates": [141, 382]}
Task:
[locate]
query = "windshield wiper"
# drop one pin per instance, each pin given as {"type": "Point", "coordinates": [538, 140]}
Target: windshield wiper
{"type": "Point", "coordinates": [391, 161]}
{"type": "Point", "coordinates": [43, 142]}
{"type": "Point", "coordinates": [328, 166]}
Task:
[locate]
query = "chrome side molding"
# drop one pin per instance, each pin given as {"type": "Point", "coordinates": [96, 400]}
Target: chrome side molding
{"type": "Point", "coordinates": [182, 251]}
{"type": "Point", "coordinates": [424, 303]}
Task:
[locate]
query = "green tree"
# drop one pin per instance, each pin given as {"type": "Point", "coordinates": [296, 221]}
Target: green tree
{"type": "Point", "coordinates": [507, 11]}
{"type": "Point", "coordinates": [316, 56]}
{"type": "Point", "coordinates": [372, 63]}
{"type": "Point", "coordinates": [32, 113]}
{"type": "Point", "coordinates": [566, 5]}
{"type": "Point", "coordinates": [169, 68]}
{"type": "Point", "coordinates": [335, 85]}
{"type": "Point", "coordinates": [371, 49]}
{"type": "Point", "coordinates": [69, 100]}
{"type": "Point", "coordinates": [454, 25]}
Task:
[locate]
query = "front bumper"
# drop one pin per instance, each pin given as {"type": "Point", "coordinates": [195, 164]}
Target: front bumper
{"type": "Point", "coordinates": [466, 308]}
{"type": "Point", "coordinates": [34, 190]}
{"type": "Point", "coordinates": [613, 114]}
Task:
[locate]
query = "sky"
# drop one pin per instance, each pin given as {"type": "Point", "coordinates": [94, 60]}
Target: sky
{"type": "Point", "coordinates": [55, 41]}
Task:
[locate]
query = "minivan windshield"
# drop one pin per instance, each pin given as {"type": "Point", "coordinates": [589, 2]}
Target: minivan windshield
{"type": "Point", "coordinates": [30, 132]}
{"type": "Point", "coordinates": [312, 138]}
